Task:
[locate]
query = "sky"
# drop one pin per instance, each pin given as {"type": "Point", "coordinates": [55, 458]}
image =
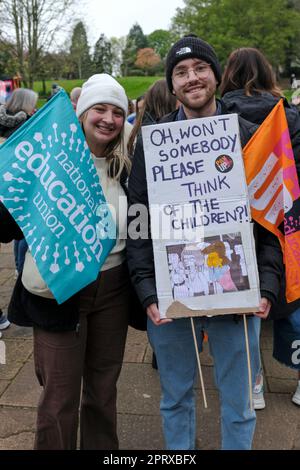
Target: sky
{"type": "Point", "coordinates": [115, 17]}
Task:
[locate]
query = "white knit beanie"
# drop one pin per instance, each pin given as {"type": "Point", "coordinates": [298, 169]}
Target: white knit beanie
{"type": "Point", "coordinates": [101, 88]}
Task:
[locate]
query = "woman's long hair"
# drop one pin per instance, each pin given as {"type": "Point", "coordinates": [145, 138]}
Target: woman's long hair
{"type": "Point", "coordinates": [22, 99]}
{"type": "Point", "coordinates": [114, 153]}
{"type": "Point", "coordinates": [158, 102]}
{"type": "Point", "coordinates": [248, 69]}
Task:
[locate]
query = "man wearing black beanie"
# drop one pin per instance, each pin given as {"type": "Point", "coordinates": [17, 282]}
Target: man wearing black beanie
{"type": "Point", "coordinates": [193, 74]}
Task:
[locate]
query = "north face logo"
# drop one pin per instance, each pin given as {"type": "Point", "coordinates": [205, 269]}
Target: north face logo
{"type": "Point", "coordinates": [184, 50]}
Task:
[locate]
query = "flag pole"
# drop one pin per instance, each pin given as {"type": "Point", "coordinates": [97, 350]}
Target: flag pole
{"type": "Point", "coordinates": [199, 364]}
{"type": "Point", "coordinates": [248, 362]}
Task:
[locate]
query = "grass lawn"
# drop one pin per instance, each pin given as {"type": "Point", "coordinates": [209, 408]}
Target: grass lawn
{"type": "Point", "coordinates": [134, 86]}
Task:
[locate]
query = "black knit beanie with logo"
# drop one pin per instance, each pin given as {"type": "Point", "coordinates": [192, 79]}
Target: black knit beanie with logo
{"type": "Point", "coordinates": [190, 47]}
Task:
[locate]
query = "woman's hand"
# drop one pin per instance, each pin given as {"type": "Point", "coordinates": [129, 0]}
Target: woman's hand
{"type": "Point", "coordinates": [154, 315]}
{"type": "Point", "coordinates": [264, 308]}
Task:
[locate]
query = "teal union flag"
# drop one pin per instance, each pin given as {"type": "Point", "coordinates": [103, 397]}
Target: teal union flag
{"type": "Point", "coordinates": [49, 184]}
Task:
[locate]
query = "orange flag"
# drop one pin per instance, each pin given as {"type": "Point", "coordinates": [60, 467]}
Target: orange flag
{"type": "Point", "coordinates": [274, 190]}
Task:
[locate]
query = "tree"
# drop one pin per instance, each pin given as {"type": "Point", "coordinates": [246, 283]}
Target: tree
{"type": "Point", "coordinates": [117, 47]}
{"type": "Point", "coordinates": [79, 51]}
{"type": "Point", "coordinates": [228, 24]}
{"type": "Point", "coordinates": [138, 37]}
{"type": "Point", "coordinates": [54, 66]}
{"type": "Point", "coordinates": [147, 59]}
{"type": "Point", "coordinates": [103, 55]}
{"type": "Point", "coordinates": [128, 57]}
{"type": "Point", "coordinates": [135, 40]}
{"type": "Point", "coordinates": [161, 41]}
{"type": "Point", "coordinates": [292, 60]}
{"type": "Point", "coordinates": [30, 25]}
{"type": "Point", "coordinates": [8, 65]}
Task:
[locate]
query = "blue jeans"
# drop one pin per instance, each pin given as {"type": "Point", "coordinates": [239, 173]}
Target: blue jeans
{"type": "Point", "coordinates": [175, 352]}
{"type": "Point", "coordinates": [20, 248]}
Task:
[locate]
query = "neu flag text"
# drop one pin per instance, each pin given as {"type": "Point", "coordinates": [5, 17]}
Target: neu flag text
{"type": "Point", "coordinates": [49, 184]}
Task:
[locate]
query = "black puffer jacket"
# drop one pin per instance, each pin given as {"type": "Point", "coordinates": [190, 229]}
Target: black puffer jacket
{"type": "Point", "coordinates": [140, 251]}
{"type": "Point", "coordinates": [256, 108]}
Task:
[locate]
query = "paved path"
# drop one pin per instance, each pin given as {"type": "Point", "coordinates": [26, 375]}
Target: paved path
{"type": "Point", "coordinates": [278, 426]}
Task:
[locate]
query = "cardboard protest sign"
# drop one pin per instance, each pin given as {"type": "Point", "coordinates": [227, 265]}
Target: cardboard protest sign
{"type": "Point", "coordinates": [50, 185]}
{"type": "Point", "coordinates": [203, 243]}
{"type": "Point", "coordinates": [274, 190]}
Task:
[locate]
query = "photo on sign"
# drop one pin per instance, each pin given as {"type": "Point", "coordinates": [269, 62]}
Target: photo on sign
{"type": "Point", "coordinates": [216, 265]}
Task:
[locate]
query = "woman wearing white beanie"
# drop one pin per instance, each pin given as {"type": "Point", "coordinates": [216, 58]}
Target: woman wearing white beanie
{"type": "Point", "coordinates": [79, 344]}
{"type": "Point", "coordinates": [92, 356]}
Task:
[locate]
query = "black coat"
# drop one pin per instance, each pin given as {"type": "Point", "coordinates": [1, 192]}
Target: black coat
{"type": "Point", "coordinates": [256, 108]}
{"type": "Point", "coordinates": [140, 252]}
{"type": "Point", "coordinates": [26, 309]}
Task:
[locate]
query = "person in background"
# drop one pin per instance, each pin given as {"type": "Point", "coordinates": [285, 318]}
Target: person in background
{"type": "Point", "coordinates": [8, 90]}
{"type": "Point", "coordinates": [295, 99]}
{"type": "Point", "coordinates": [138, 106]}
{"type": "Point", "coordinates": [19, 108]}
{"type": "Point", "coordinates": [54, 89]}
{"type": "Point", "coordinates": [79, 344]}
{"type": "Point", "coordinates": [193, 74]}
{"type": "Point", "coordinates": [131, 111]}
{"type": "Point", "coordinates": [157, 102]}
{"type": "Point", "coordinates": [294, 82]}
{"type": "Point", "coordinates": [74, 96]}
{"type": "Point", "coordinates": [249, 88]}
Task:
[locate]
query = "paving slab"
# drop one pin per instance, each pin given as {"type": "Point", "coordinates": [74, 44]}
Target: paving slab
{"type": "Point", "coordinates": [3, 385]}
{"type": "Point", "coordinates": [297, 439]}
{"type": "Point", "coordinates": [208, 421]}
{"type": "Point", "coordinates": [15, 331]}
{"type": "Point", "coordinates": [148, 354]}
{"type": "Point", "coordinates": [24, 391]}
{"type": "Point", "coordinates": [18, 441]}
{"type": "Point", "coordinates": [282, 385]}
{"type": "Point", "coordinates": [274, 369]}
{"type": "Point", "coordinates": [266, 328]}
{"type": "Point", "coordinates": [16, 420]}
{"type": "Point", "coordinates": [277, 424]}
{"type": "Point", "coordinates": [17, 350]}
{"type": "Point", "coordinates": [140, 432]}
{"type": "Point", "coordinates": [7, 248]}
{"type": "Point", "coordinates": [6, 260]}
{"type": "Point", "coordinates": [266, 342]}
{"type": "Point", "coordinates": [10, 371]}
{"type": "Point", "coordinates": [135, 352]}
{"type": "Point", "coordinates": [5, 275]}
{"type": "Point", "coordinates": [136, 346]}
{"type": "Point", "coordinates": [138, 390]}
{"type": "Point", "coordinates": [5, 295]}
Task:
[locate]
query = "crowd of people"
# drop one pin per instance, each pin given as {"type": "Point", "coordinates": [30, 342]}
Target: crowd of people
{"type": "Point", "coordinates": [79, 344]}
